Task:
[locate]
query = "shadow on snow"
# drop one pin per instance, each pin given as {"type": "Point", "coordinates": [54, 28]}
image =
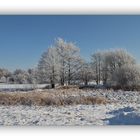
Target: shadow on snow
{"type": "Point", "coordinates": [124, 116]}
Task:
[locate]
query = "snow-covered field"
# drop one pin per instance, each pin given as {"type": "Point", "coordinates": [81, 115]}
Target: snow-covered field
{"type": "Point", "coordinates": [124, 110]}
{"type": "Point", "coordinates": [113, 114]}
{"type": "Point", "coordinates": [12, 87]}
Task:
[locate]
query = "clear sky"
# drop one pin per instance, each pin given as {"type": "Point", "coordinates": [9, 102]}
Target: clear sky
{"type": "Point", "coordinates": [24, 38]}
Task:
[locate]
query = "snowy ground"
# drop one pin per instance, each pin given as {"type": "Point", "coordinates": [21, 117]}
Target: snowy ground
{"type": "Point", "coordinates": [124, 110]}
{"type": "Point", "coordinates": [114, 114]}
{"type": "Point", "coordinates": [14, 87]}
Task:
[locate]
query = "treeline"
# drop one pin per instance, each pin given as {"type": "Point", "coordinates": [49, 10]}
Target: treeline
{"type": "Point", "coordinates": [62, 64]}
{"type": "Point", "coordinates": [19, 76]}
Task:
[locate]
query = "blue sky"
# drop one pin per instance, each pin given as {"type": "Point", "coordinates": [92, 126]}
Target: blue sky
{"type": "Point", "coordinates": [24, 38]}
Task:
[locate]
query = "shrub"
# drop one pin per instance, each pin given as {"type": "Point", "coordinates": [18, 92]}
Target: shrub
{"type": "Point", "coordinates": [42, 99]}
{"type": "Point", "coordinates": [127, 77]}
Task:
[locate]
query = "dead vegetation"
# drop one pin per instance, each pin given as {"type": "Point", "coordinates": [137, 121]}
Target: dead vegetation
{"type": "Point", "coordinates": [53, 97]}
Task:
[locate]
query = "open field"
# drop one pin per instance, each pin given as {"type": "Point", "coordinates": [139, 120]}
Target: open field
{"type": "Point", "coordinates": [109, 114]}
{"type": "Point", "coordinates": [71, 106]}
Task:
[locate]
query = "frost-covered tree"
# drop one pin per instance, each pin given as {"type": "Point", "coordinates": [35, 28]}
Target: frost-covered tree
{"type": "Point", "coordinates": [73, 61]}
{"type": "Point", "coordinates": [20, 76]}
{"type": "Point", "coordinates": [48, 66]}
{"type": "Point", "coordinates": [70, 60]}
{"type": "Point", "coordinates": [96, 59]}
{"type": "Point", "coordinates": [106, 62]}
{"type": "Point", "coordinates": [5, 74]}
{"type": "Point", "coordinates": [127, 76]}
{"type": "Point", "coordinates": [115, 59]}
{"type": "Point", "coordinates": [122, 57]}
{"type": "Point", "coordinates": [32, 76]}
{"type": "Point", "coordinates": [61, 50]}
{"type": "Point", "coordinates": [86, 73]}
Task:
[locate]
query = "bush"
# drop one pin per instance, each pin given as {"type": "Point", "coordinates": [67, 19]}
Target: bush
{"type": "Point", "coordinates": [42, 99]}
{"type": "Point", "coordinates": [127, 77]}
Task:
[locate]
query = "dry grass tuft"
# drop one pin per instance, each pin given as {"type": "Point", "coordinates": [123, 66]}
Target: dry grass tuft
{"type": "Point", "coordinates": [68, 87]}
{"type": "Point", "coordinates": [86, 100]}
{"type": "Point", "coordinates": [46, 98]}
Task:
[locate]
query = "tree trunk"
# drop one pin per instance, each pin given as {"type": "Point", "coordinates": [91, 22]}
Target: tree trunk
{"type": "Point", "coordinates": [97, 77]}
{"type": "Point", "coordinates": [99, 69]}
{"type": "Point", "coordinates": [53, 85]}
{"type": "Point", "coordinates": [86, 82]}
{"type": "Point", "coordinates": [69, 75]}
{"type": "Point", "coordinates": [62, 81]}
{"type": "Point", "coordinates": [53, 78]}
{"type": "Point", "coordinates": [63, 74]}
